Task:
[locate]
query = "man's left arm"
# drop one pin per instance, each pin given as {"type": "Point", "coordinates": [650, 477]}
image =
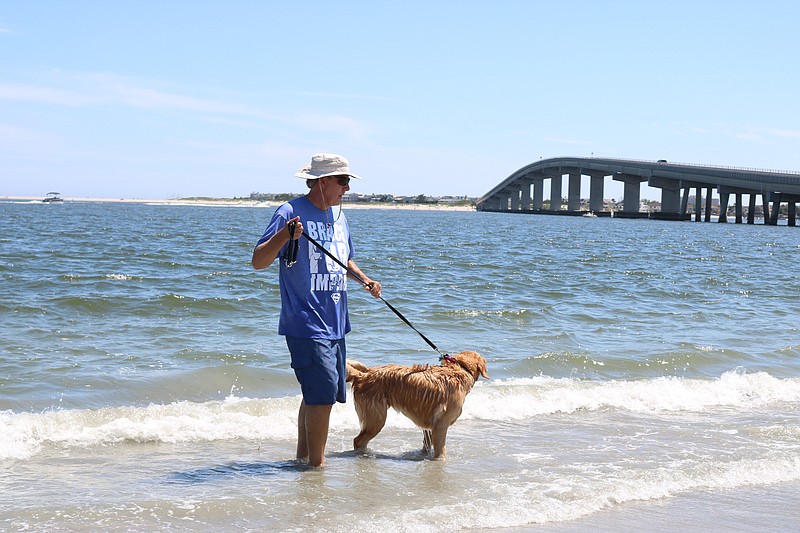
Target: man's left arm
{"type": "Point", "coordinates": [374, 287]}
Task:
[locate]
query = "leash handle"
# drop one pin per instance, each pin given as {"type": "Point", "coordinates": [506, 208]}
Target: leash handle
{"type": "Point", "coordinates": [368, 285]}
{"type": "Point", "coordinates": [291, 251]}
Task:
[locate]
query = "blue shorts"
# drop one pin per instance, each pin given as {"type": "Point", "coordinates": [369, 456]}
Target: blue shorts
{"type": "Point", "coordinates": [319, 365]}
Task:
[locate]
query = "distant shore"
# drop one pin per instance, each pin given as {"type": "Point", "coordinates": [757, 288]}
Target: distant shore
{"type": "Point", "coordinates": [246, 202]}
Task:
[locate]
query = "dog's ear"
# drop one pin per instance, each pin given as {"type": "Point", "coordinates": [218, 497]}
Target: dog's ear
{"type": "Point", "coordinates": [482, 367]}
{"type": "Point", "coordinates": [354, 370]}
{"type": "Point", "coordinates": [473, 363]}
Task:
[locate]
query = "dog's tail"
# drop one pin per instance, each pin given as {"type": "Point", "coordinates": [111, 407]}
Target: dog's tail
{"type": "Point", "coordinates": [355, 369]}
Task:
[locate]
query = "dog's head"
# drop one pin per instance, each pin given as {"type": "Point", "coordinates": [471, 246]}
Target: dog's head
{"type": "Point", "coordinates": [472, 362]}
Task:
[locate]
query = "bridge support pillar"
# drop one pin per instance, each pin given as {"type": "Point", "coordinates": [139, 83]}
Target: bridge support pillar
{"type": "Point", "coordinates": [791, 208]}
{"type": "Point", "coordinates": [574, 192]}
{"type": "Point", "coordinates": [739, 208]}
{"type": "Point", "coordinates": [555, 192]}
{"type": "Point", "coordinates": [708, 204]}
{"type": "Point", "coordinates": [670, 196]}
{"type": "Point", "coordinates": [724, 197]}
{"type": "Point", "coordinates": [515, 192]}
{"type": "Point", "coordinates": [776, 210]}
{"type": "Point", "coordinates": [632, 192]}
{"type": "Point", "coordinates": [538, 194]}
{"type": "Point", "coordinates": [685, 202]}
{"type": "Point", "coordinates": [503, 199]}
{"type": "Point", "coordinates": [765, 198]}
{"type": "Point", "coordinates": [751, 209]}
{"type": "Point", "coordinates": [492, 203]}
{"type": "Point", "coordinates": [596, 193]}
{"type": "Point", "coordinates": [671, 201]}
{"type": "Point", "coordinates": [633, 195]}
{"type": "Point", "coordinates": [725, 193]}
{"type": "Point", "coordinates": [698, 204]}
{"type": "Point", "coordinates": [526, 195]}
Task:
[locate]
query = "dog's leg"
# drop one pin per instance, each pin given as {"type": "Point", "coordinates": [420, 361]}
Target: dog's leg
{"type": "Point", "coordinates": [372, 423]}
{"type": "Point", "coordinates": [427, 441]}
{"type": "Point", "coordinates": [439, 436]}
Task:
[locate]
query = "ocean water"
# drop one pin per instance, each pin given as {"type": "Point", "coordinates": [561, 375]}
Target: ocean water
{"type": "Point", "coordinates": [645, 375]}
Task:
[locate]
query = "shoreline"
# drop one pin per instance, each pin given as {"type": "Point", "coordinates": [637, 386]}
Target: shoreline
{"type": "Point", "coordinates": [231, 202]}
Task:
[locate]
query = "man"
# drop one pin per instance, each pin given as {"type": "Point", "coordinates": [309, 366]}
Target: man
{"type": "Point", "coordinates": [314, 316]}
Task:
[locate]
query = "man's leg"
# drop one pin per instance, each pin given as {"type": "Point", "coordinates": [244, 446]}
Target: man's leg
{"type": "Point", "coordinates": [320, 369]}
{"type": "Point", "coordinates": [302, 441]}
{"type": "Point", "coordinates": [317, 420]}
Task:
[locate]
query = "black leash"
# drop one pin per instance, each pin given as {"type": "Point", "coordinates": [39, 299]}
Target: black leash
{"type": "Point", "coordinates": [294, 245]}
{"type": "Point", "coordinates": [442, 356]}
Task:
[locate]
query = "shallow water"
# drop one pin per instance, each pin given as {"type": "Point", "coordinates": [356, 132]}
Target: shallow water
{"type": "Point", "coordinates": [633, 363]}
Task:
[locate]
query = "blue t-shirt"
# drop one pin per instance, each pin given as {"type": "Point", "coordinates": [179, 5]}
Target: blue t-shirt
{"type": "Point", "coordinates": [314, 289]}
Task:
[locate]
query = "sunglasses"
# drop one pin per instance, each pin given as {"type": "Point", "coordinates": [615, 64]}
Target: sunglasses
{"type": "Point", "coordinates": [342, 180]}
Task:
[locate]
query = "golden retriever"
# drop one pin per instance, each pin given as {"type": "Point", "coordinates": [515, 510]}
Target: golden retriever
{"type": "Point", "coordinates": [431, 396]}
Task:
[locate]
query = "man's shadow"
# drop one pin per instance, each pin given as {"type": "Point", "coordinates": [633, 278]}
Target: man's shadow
{"type": "Point", "coordinates": [276, 468]}
{"type": "Point", "coordinates": [236, 468]}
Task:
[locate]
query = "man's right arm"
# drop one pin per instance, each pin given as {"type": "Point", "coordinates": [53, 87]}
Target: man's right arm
{"type": "Point", "coordinates": [265, 253]}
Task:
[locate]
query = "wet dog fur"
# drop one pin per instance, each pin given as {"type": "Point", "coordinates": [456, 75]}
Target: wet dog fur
{"type": "Point", "coordinates": [431, 396]}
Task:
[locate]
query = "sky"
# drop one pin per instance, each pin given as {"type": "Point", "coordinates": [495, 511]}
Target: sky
{"type": "Point", "coordinates": [167, 99]}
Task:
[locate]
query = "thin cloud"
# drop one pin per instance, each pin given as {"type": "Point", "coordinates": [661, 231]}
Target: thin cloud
{"type": "Point", "coordinates": [31, 143]}
{"type": "Point", "coordinates": [143, 97]}
{"type": "Point", "coordinates": [344, 96]}
{"type": "Point", "coordinates": [10, 132]}
{"type": "Point", "coordinates": [764, 135]}
{"type": "Point", "coordinates": [144, 94]}
{"type": "Point", "coordinates": [750, 136]}
{"type": "Point", "coordinates": [101, 89]}
{"type": "Point", "coordinates": [114, 90]}
{"type": "Point", "coordinates": [793, 134]}
{"type": "Point", "coordinates": [334, 124]}
{"type": "Point", "coordinates": [44, 95]}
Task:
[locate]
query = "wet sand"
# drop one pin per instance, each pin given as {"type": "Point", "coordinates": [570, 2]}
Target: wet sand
{"type": "Point", "coordinates": [758, 509]}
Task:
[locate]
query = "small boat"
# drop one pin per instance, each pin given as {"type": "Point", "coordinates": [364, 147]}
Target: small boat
{"type": "Point", "coordinates": [52, 198]}
{"type": "Point", "coordinates": [589, 214]}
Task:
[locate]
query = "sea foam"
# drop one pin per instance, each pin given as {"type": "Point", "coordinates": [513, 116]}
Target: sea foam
{"type": "Point", "coordinates": [22, 435]}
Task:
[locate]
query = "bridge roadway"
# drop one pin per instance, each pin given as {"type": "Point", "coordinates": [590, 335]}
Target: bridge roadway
{"type": "Point", "coordinates": [523, 191]}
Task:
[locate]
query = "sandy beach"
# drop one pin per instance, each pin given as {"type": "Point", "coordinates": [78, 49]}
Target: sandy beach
{"type": "Point", "coordinates": [244, 202]}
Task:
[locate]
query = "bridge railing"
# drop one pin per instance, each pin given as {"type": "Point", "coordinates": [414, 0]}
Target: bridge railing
{"type": "Point", "coordinates": [678, 163]}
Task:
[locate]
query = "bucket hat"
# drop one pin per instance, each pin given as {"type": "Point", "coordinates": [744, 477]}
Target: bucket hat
{"type": "Point", "coordinates": [324, 165]}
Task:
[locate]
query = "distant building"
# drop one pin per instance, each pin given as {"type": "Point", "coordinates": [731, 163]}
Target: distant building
{"type": "Point", "coordinates": [359, 197]}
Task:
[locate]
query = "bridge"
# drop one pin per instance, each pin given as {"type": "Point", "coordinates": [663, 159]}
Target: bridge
{"type": "Point", "coordinates": [523, 191]}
